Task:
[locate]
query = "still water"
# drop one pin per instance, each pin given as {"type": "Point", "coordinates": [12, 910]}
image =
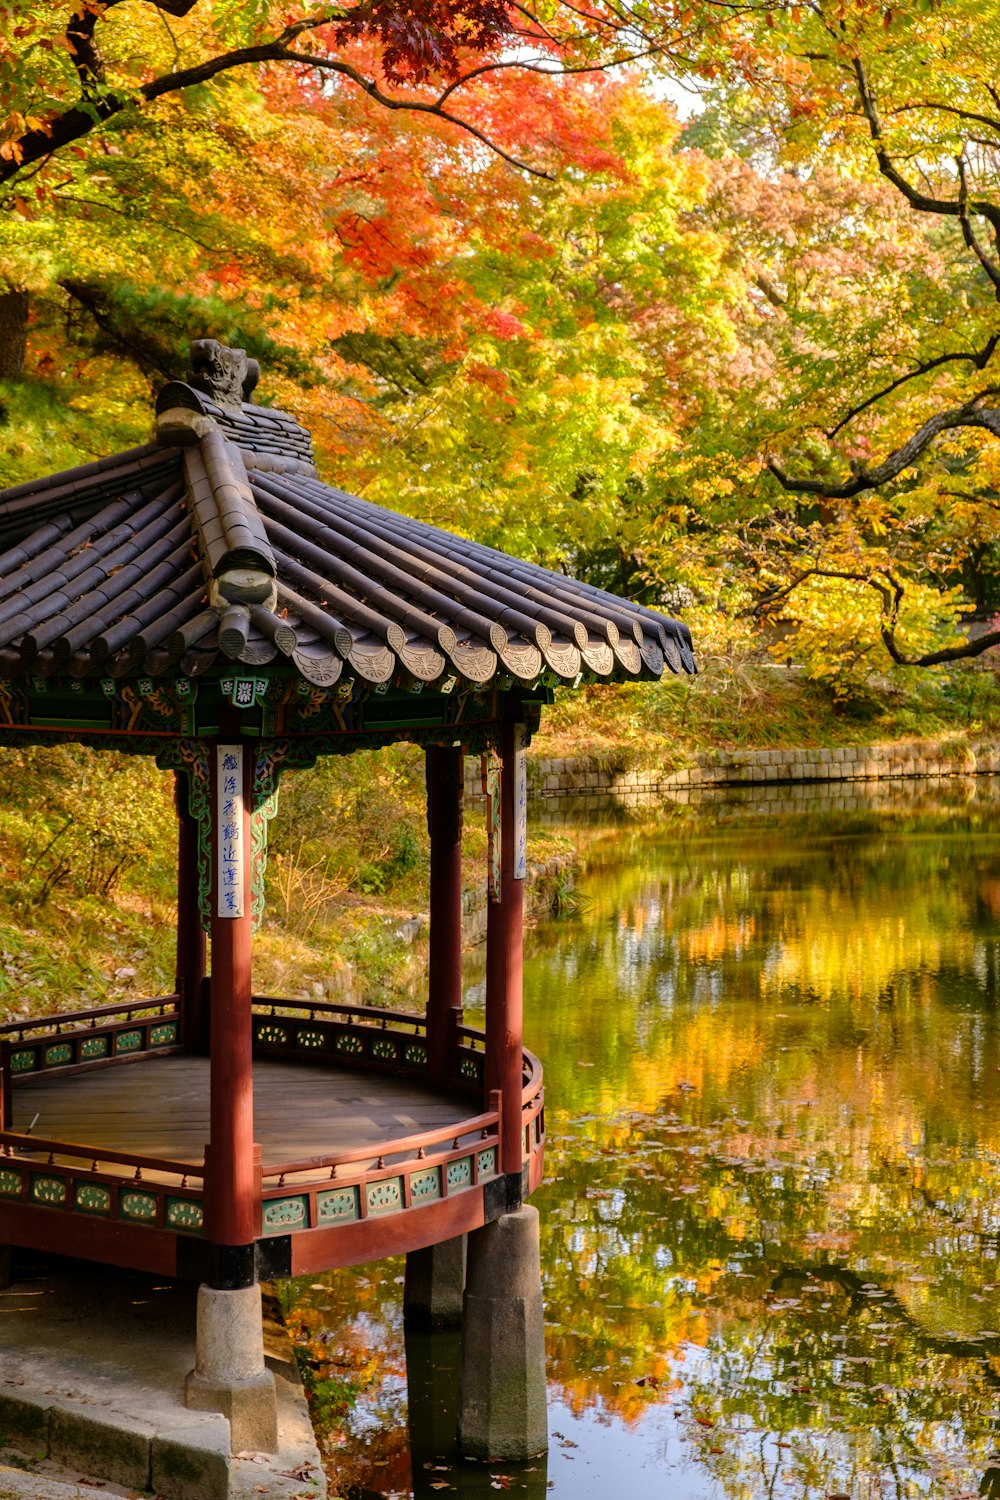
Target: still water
{"type": "Point", "coordinates": [770, 1223]}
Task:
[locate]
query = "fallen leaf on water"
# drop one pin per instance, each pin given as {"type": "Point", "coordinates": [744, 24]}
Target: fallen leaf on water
{"type": "Point", "coordinates": [704, 1421]}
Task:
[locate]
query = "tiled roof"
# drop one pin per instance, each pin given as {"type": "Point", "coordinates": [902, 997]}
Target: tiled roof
{"type": "Point", "coordinates": [218, 543]}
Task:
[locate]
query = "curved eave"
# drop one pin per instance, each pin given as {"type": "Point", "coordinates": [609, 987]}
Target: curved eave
{"type": "Point", "coordinates": [186, 558]}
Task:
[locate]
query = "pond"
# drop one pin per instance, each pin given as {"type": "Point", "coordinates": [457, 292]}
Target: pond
{"type": "Point", "coordinates": [770, 1222]}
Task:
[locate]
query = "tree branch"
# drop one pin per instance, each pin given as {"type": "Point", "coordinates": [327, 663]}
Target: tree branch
{"type": "Point", "coordinates": [524, 66]}
{"type": "Point", "coordinates": [980, 358]}
{"type": "Point", "coordinates": [891, 591]}
{"type": "Point", "coordinates": [98, 106]}
{"type": "Point", "coordinates": [922, 202]}
{"type": "Point", "coordinates": [902, 458]}
{"type": "Point", "coordinates": [968, 233]}
{"type": "Point", "coordinates": [930, 107]}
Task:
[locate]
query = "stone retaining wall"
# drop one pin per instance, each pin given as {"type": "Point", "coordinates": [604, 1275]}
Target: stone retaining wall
{"type": "Point", "coordinates": [639, 785]}
{"type": "Point", "coordinates": [541, 884]}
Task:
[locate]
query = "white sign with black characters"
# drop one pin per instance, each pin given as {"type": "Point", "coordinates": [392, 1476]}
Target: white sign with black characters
{"type": "Point", "coordinates": [520, 801]}
{"type": "Point", "coordinates": [229, 766]}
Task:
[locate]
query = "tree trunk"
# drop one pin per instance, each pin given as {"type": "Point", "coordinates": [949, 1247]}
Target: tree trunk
{"type": "Point", "coordinates": [13, 334]}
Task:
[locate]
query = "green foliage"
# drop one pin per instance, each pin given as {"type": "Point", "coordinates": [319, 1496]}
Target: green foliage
{"type": "Point", "coordinates": [89, 818]}
{"type": "Point", "coordinates": [352, 823]}
{"type": "Point", "coordinates": [88, 865]}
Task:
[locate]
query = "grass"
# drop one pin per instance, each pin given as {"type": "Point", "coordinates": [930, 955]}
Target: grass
{"type": "Point", "coordinates": [746, 702]}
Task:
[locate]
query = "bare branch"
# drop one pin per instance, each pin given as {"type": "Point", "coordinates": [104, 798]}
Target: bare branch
{"type": "Point", "coordinates": [108, 208]}
{"type": "Point", "coordinates": [100, 106]}
{"type": "Point", "coordinates": [933, 107]}
{"type": "Point", "coordinates": [968, 233]}
{"type": "Point", "coordinates": [902, 458]}
{"type": "Point", "coordinates": [980, 358]}
{"type": "Point", "coordinates": [922, 202]}
{"type": "Point", "coordinates": [566, 71]}
{"type": "Point", "coordinates": [412, 106]}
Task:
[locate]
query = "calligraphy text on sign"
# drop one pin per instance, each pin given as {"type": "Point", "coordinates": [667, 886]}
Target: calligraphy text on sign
{"type": "Point", "coordinates": [229, 829]}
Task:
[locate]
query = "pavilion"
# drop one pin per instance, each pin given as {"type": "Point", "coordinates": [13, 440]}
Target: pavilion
{"type": "Point", "coordinates": [205, 600]}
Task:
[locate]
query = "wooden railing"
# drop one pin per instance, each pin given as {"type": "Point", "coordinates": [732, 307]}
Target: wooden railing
{"type": "Point", "coordinates": [470, 1056]}
{"type": "Point", "coordinates": [84, 1039]}
{"type": "Point", "coordinates": [363, 1036]}
{"type": "Point", "coordinates": [83, 1179]}
{"type": "Point", "coordinates": [346, 1186]}
{"type": "Point", "coordinates": [532, 1105]}
{"type": "Point", "coordinates": [72, 1020]}
{"type": "Point", "coordinates": [310, 1192]}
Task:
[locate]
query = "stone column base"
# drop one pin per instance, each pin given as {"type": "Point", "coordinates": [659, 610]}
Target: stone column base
{"type": "Point", "coordinates": [435, 1282]}
{"type": "Point", "coordinates": [230, 1375]}
{"type": "Point", "coordinates": [502, 1401]}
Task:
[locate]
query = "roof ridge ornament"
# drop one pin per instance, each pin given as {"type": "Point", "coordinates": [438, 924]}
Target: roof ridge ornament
{"type": "Point", "coordinates": [227, 375]}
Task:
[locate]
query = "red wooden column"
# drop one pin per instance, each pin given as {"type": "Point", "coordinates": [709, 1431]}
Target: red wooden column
{"type": "Point", "coordinates": [504, 962]}
{"type": "Point", "coordinates": [190, 933]}
{"type": "Point", "coordinates": [445, 787]}
{"type": "Point", "coordinates": [232, 1207]}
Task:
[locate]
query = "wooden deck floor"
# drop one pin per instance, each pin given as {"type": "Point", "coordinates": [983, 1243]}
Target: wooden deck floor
{"type": "Point", "coordinates": [159, 1107]}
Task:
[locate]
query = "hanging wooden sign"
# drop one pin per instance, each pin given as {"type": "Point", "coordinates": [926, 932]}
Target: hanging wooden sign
{"type": "Point", "coordinates": [520, 801]}
{"type": "Point", "coordinates": [491, 787]}
{"type": "Point", "coordinates": [229, 828]}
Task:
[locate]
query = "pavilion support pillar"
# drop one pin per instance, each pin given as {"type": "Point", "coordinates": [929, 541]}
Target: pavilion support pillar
{"type": "Point", "coordinates": [502, 1391]}
{"type": "Point", "coordinates": [504, 1068]}
{"type": "Point", "coordinates": [230, 1374]}
{"type": "Point", "coordinates": [192, 987]}
{"type": "Point", "coordinates": [434, 1285]}
{"type": "Point", "coordinates": [502, 1387]}
{"type": "Point", "coordinates": [445, 784]}
{"type": "Point", "coordinates": [435, 1276]}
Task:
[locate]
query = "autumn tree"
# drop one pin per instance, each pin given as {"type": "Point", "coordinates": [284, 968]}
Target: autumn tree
{"type": "Point", "coordinates": [744, 368]}
{"type": "Point", "coordinates": [881, 407]}
{"type": "Point", "coordinates": [508, 348]}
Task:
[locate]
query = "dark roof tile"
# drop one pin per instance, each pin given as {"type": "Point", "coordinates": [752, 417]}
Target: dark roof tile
{"type": "Point", "coordinates": [222, 545]}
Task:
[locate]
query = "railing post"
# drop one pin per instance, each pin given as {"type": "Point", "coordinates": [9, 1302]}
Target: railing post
{"type": "Point", "coordinates": [495, 1103]}
{"type": "Point", "coordinates": [258, 1191]}
{"type": "Point", "coordinates": [445, 791]}
{"type": "Point", "coordinates": [6, 1087]}
{"type": "Point", "coordinates": [455, 1018]}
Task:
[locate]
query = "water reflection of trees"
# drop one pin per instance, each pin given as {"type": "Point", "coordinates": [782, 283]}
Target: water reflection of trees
{"type": "Point", "coordinates": [772, 1207]}
{"type": "Point", "coordinates": [779, 1075]}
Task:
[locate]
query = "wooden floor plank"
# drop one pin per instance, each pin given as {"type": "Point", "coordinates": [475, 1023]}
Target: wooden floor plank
{"type": "Point", "coordinates": [159, 1107]}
